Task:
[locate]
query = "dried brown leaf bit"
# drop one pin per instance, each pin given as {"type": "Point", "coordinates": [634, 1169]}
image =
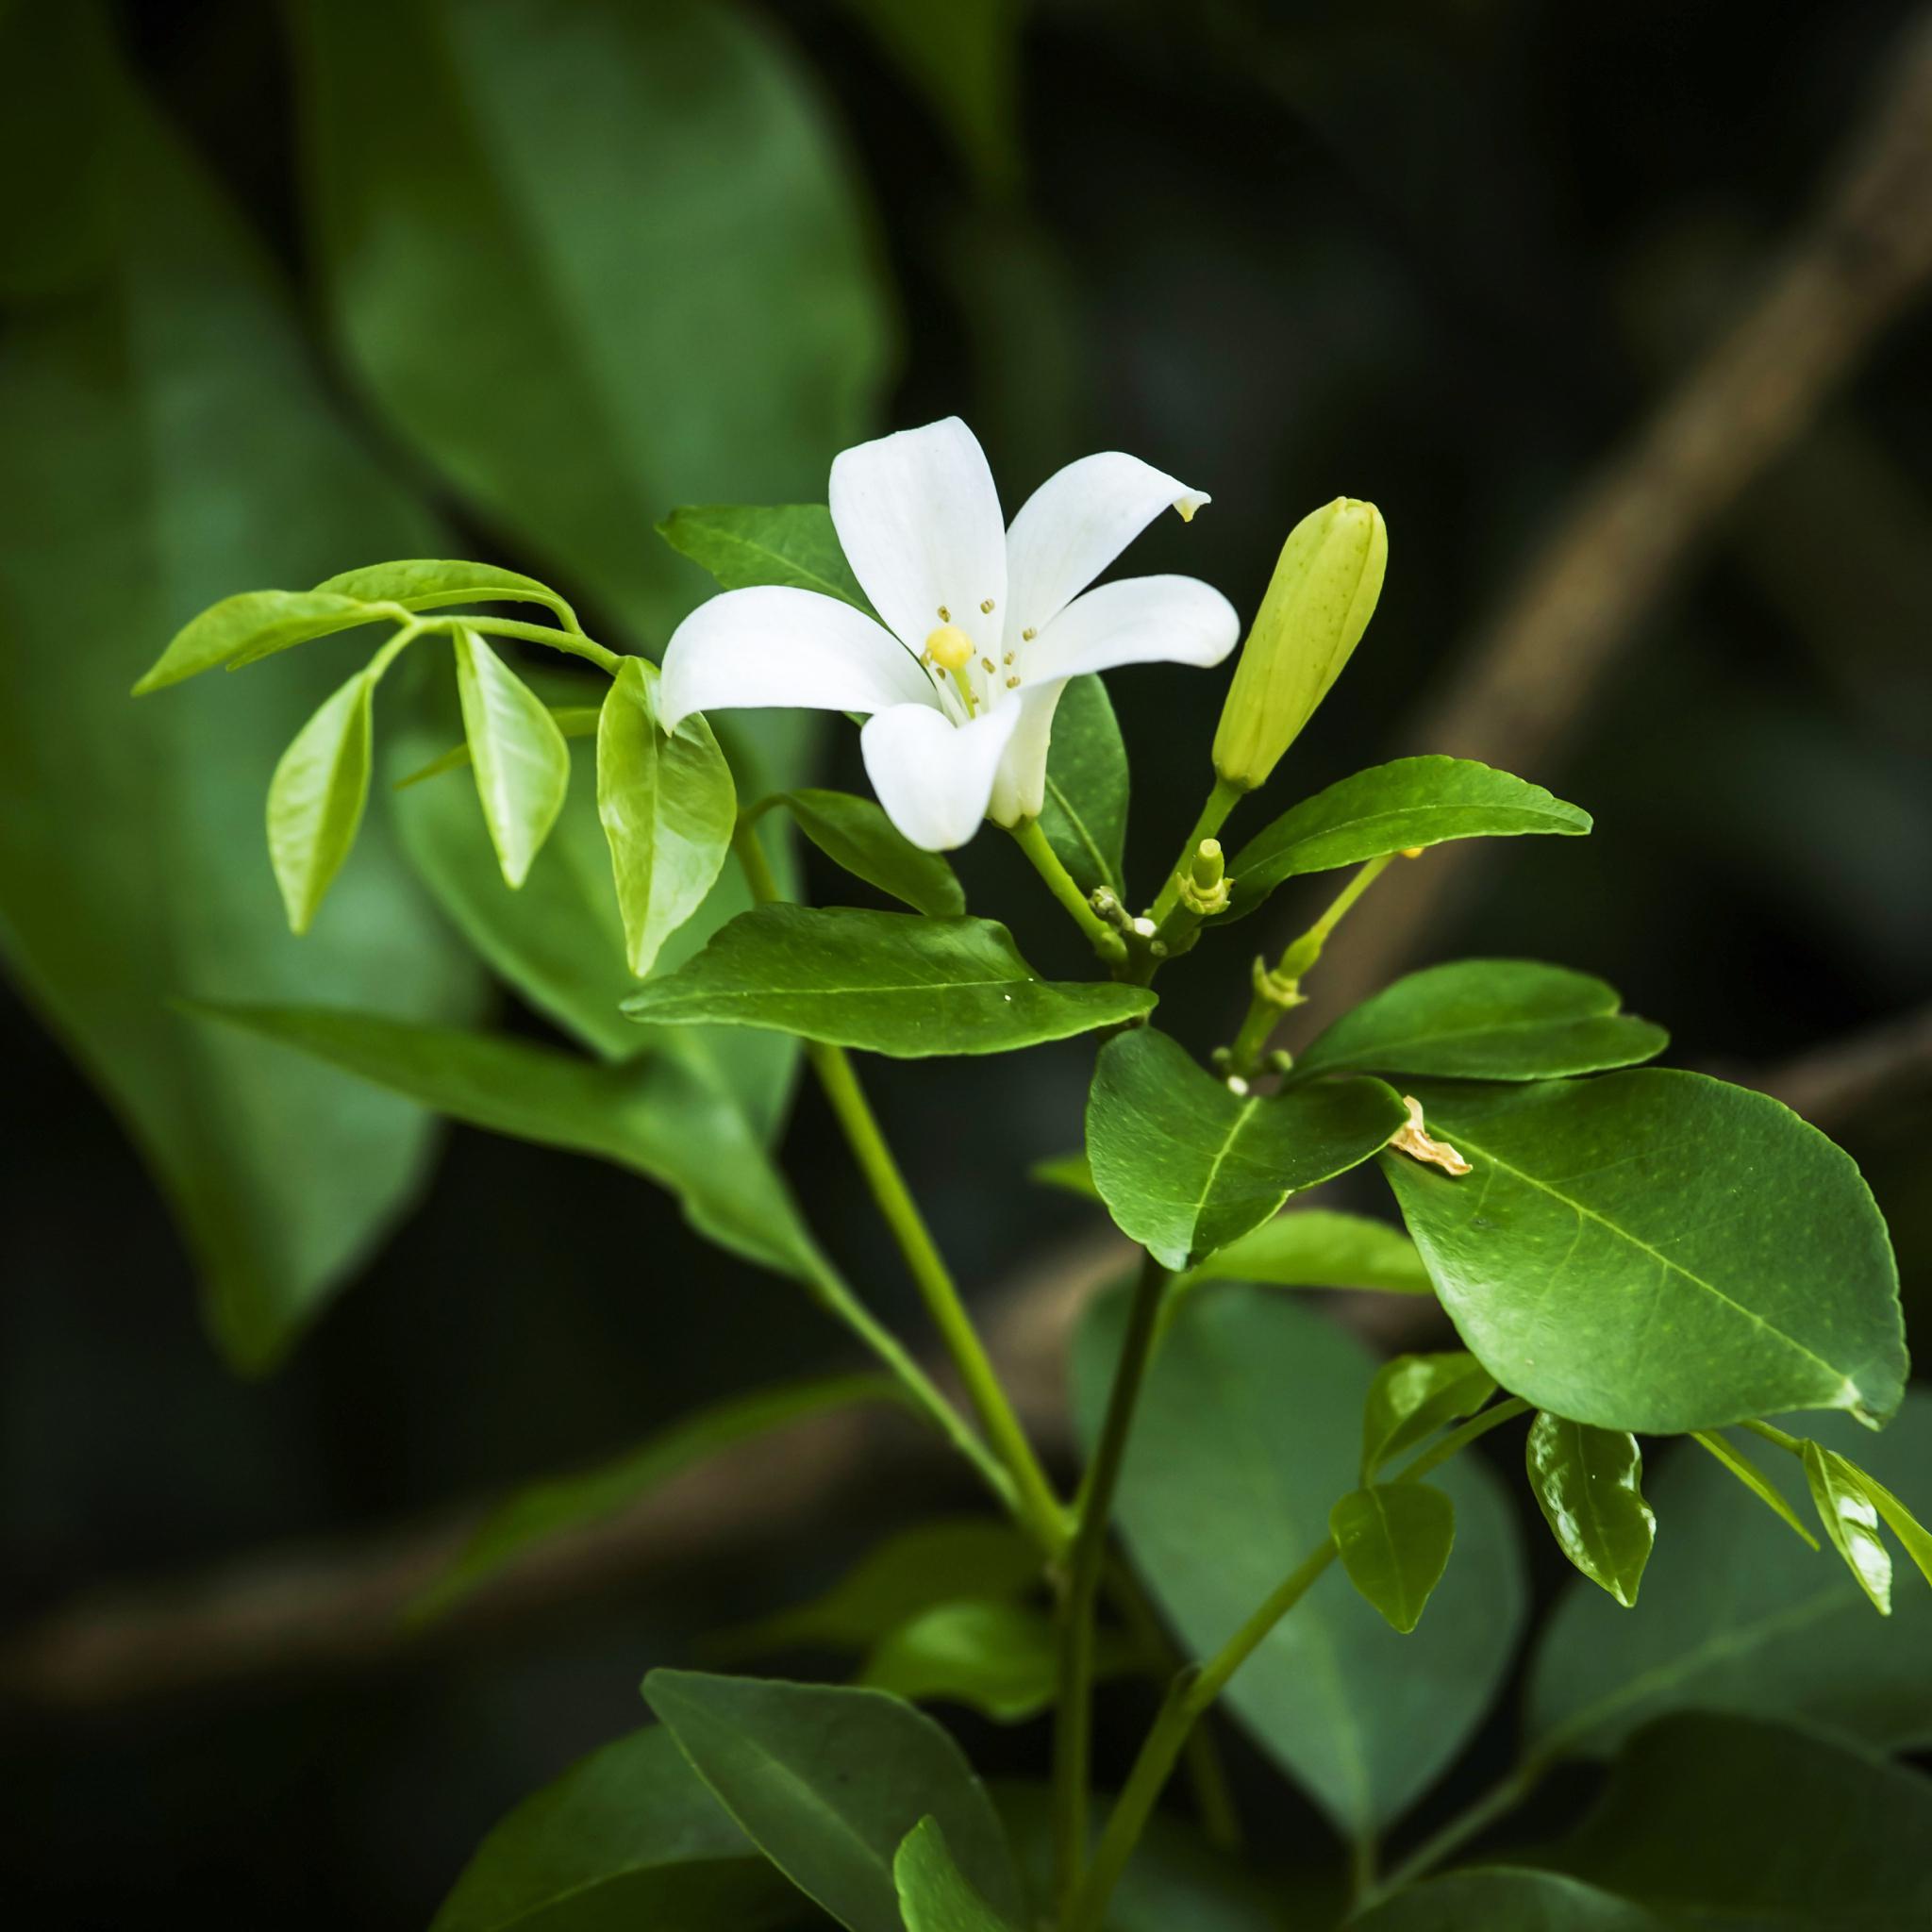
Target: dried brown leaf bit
{"type": "Point", "coordinates": [1415, 1139]}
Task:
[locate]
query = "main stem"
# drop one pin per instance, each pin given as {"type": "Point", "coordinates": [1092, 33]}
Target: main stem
{"type": "Point", "coordinates": [1039, 1508]}
{"type": "Point", "coordinates": [1221, 801]}
{"type": "Point", "coordinates": [1085, 1566]}
{"type": "Point", "coordinates": [1066, 889]}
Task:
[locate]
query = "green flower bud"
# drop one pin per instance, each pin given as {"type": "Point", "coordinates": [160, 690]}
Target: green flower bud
{"type": "Point", "coordinates": [1319, 603]}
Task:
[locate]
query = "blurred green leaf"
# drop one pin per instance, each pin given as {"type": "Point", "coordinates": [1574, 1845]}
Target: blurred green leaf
{"type": "Point", "coordinates": [1317, 1247]}
{"type": "Point", "coordinates": [1001, 1660]}
{"type": "Point", "coordinates": [1588, 1483]}
{"type": "Point", "coordinates": [573, 721]}
{"type": "Point", "coordinates": [316, 797]}
{"type": "Point", "coordinates": [166, 439]}
{"type": "Point", "coordinates": [1850, 1521]}
{"type": "Point", "coordinates": [1508, 1901]}
{"type": "Point", "coordinates": [856, 833]}
{"type": "Point", "coordinates": [1186, 1166]}
{"type": "Point", "coordinates": [1214, 1517]}
{"type": "Point", "coordinates": [1073, 1173]}
{"type": "Point", "coordinates": [1415, 1395]}
{"type": "Point", "coordinates": [887, 982]}
{"type": "Point", "coordinates": [934, 1894]}
{"type": "Point", "coordinates": [541, 1510]}
{"type": "Point", "coordinates": [626, 1836]}
{"type": "Point", "coordinates": [828, 1781]}
{"type": "Point", "coordinates": [1486, 1019]}
{"type": "Point", "coordinates": [521, 762]}
{"type": "Point", "coordinates": [744, 545]}
{"type": "Point", "coordinates": [1085, 816]}
{"type": "Point", "coordinates": [1601, 1213]}
{"type": "Point", "coordinates": [1394, 1541]}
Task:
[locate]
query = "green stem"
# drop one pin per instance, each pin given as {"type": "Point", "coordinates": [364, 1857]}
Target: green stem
{"type": "Point", "coordinates": [1772, 1433]}
{"type": "Point", "coordinates": [1086, 1564]}
{"type": "Point", "coordinates": [571, 642]}
{"type": "Point", "coordinates": [1221, 801]}
{"type": "Point", "coordinates": [1038, 1506]}
{"type": "Point", "coordinates": [1061, 883]}
{"type": "Point", "coordinates": [1502, 1797]}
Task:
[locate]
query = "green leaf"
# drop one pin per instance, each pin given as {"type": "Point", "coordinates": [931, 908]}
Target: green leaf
{"type": "Point", "coordinates": [1415, 1395]}
{"type": "Point", "coordinates": [541, 1511]}
{"type": "Point", "coordinates": [1900, 1522]}
{"type": "Point", "coordinates": [1316, 1247]}
{"type": "Point", "coordinates": [1394, 807]}
{"type": "Point", "coordinates": [254, 625]}
{"type": "Point", "coordinates": [1588, 1483]}
{"type": "Point", "coordinates": [1754, 1479]}
{"type": "Point", "coordinates": [167, 437]}
{"type": "Point", "coordinates": [1071, 1173]}
{"type": "Point", "coordinates": [1737, 1615]}
{"type": "Point", "coordinates": [1506, 1901]}
{"type": "Point", "coordinates": [934, 1894]}
{"type": "Point", "coordinates": [1186, 1165]}
{"type": "Point", "coordinates": [856, 833]}
{"type": "Point", "coordinates": [429, 583]}
{"type": "Point", "coordinates": [656, 1116]}
{"type": "Point", "coordinates": [522, 764]}
{"type": "Point", "coordinates": [828, 1781]}
{"type": "Point", "coordinates": [573, 721]}
{"type": "Point", "coordinates": [668, 808]}
{"type": "Point", "coordinates": [1394, 1541]}
{"type": "Point", "coordinates": [999, 1659]}
{"type": "Point", "coordinates": [1850, 1521]}
{"type": "Point", "coordinates": [626, 1836]}
{"type": "Point", "coordinates": [1246, 1436]}
{"type": "Point", "coordinates": [1486, 1019]}
{"type": "Point", "coordinates": [316, 797]}
{"type": "Point", "coordinates": [1657, 1252]}
{"type": "Point", "coordinates": [744, 545]}
{"type": "Point", "coordinates": [1085, 815]}
{"type": "Point", "coordinates": [1727, 1820]}
{"type": "Point", "coordinates": [888, 982]}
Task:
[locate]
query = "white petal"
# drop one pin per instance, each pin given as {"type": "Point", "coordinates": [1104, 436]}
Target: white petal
{"type": "Point", "coordinates": [779, 646]}
{"type": "Point", "coordinates": [933, 777]}
{"type": "Point", "coordinates": [1019, 790]}
{"type": "Point", "coordinates": [1135, 620]}
{"type": "Point", "coordinates": [1075, 523]}
{"type": "Point", "coordinates": [919, 519]}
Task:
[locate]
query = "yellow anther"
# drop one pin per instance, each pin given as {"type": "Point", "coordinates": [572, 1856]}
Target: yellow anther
{"type": "Point", "coordinates": [1013, 684]}
{"type": "Point", "coordinates": [986, 606]}
{"type": "Point", "coordinates": [1026, 637]}
{"type": "Point", "coordinates": [950, 648]}
{"type": "Point", "coordinates": [1006, 658]}
{"type": "Point", "coordinates": [945, 615]}
{"type": "Point", "coordinates": [985, 665]}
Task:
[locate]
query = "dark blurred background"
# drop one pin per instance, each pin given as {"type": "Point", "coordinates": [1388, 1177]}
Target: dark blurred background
{"type": "Point", "coordinates": [1452, 255]}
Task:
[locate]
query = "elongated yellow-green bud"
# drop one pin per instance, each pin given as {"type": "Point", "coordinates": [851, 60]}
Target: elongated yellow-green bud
{"type": "Point", "coordinates": [1319, 603]}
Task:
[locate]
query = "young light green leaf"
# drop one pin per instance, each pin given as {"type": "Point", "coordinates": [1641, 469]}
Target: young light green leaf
{"type": "Point", "coordinates": [1850, 1521]}
{"type": "Point", "coordinates": [1415, 1395]}
{"type": "Point", "coordinates": [1507, 1900]}
{"type": "Point", "coordinates": [1588, 1484]}
{"type": "Point", "coordinates": [316, 797]}
{"type": "Point", "coordinates": [1602, 1212]}
{"type": "Point", "coordinates": [540, 1513]}
{"type": "Point", "coordinates": [1394, 807]}
{"type": "Point", "coordinates": [1486, 1019]}
{"type": "Point", "coordinates": [1753, 1478]}
{"type": "Point", "coordinates": [856, 833]}
{"type": "Point", "coordinates": [1071, 1173]}
{"type": "Point", "coordinates": [626, 1836]}
{"type": "Point", "coordinates": [744, 545]}
{"type": "Point", "coordinates": [1316, 1247]}
{"type": "Point", "coordinates": [1394, 1541]}
{"type": "Point", "coordinates": [668, 808]}
{"type": "Point", "coordinates": [934, 1894]}
{"type": "Point", "coordinates": [1244, 1438]}
{"type": "Point", "coordinates": [998, 1658]}
{"type": "Point", "coordinates": [1085, 815]}
{"type": "Point", "coordinates": [573, 721]}
{"type": "Point", "coordinates": [1900, 1522]}
{"type": "Point", "coordinates": [426, 583]}
{"type": "Point", "coordinates": [254, 625]}
{"type": "Point", "coordinates": [522, 764]}
{"type": "Point", "coordinates": [828, 1781]}
{"type": "Point", "coordinates": [1186, 1165]}
{"type": "Point", "coordinates": [888, 982]}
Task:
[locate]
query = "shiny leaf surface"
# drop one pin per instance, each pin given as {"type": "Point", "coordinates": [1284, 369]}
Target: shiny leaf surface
{"type": "Point", "coordinates": [521, 760]}
{"type": "Point", "coordinates": [1085, 815]}
{"type": "Point", "coordinates": [1317, 1247]}
{"type": "Point", "coordinates": [1588, 1483]}
{"type": "Point", "coordinates": [1394, 1541]}
{"type": "Point", "coordinates": [1415, 1395]}
{"type": "Point", "coordinates": [856, 833]}
{"type": "Point", "coordinates": [1850, 1521]}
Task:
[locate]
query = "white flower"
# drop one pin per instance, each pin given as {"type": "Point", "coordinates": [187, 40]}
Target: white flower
{"type": "Point", "coordinates": [983, 625]}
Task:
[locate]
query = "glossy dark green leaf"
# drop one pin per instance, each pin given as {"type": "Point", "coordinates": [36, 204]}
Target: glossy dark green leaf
{"type": "Point", "coordinates": [828, 1781]}
{"type": "Point", "coordinates": [1486, 1019]}
{"type": "Point", "coordinates": [1738, 1615]}
{"type": "Point", "coordinates": [542, 1510]}
{"type": "Point", "coordinates": [998, 1658]}
{"type": "Point", "coordinates": [1733, 1459]}
{"type": "Point", "coordinates": [1727, 1821]}
{"type": "Point", "coordinates": [1394, 808]}
{"type": "Point", "coordinates": [1186, 1165]}
{"type": "Point", "coordinates": [432, 583]}
{"type": "Point", "coordinates": [744, 545]}
{"type": "Point", "coordinates": [1415, 1395]}
{"type": "Point", "coordinates": [1394, 1541]}
{"type": "Point", "coordinates": [521, 760]}
{"type": "Point", "coordinates": [889, 982]}
{"type": "Point", "coordinates": [1657, 1252]}
{"type": "Point", "coordinates": [856, 833]}
{"type": "Point", "coordinates": [135, 488]}
{"type": "Point", "coordinates": [1245, 1435]}
{"type": "Point", "coordinates": [317, 795]}
{"type": "Point", "coordinates": [1850, 1521]}
{"type": "Point", "coordinates": [1588, 1483]}
{"type": "Point", "coordinates": [656, 1116]}
{"type": "Point", "coordinates": [934, 1894]}
{"type": "Point", "coordinates": [668, 808]}
{"type": "Point", "coordinates": [1085, 815]}
{"type": "Point", "coordinates": [1503, 1900]}
{"type": "Point", "coordinates": [254, 625]}
{"type": "Point", "coordinates": [1317, 1247]}
{"type": "Point", "coordinates": [626, 1836]}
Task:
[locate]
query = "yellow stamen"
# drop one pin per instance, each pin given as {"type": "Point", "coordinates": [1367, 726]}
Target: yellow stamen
{"type": "Point", "coordinates": [949, 647]}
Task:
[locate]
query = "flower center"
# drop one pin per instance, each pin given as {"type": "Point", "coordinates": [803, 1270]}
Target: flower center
{"type": "Point", "coordinates": [949, 647]}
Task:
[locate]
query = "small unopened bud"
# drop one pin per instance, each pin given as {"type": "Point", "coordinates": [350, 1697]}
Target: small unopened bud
{"type": "Point", "coordinates": [1204, 885]}
{"type": "Point", "coordinates": [1319, 603]}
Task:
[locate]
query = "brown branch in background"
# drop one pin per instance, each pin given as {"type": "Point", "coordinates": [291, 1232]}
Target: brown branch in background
{"type": "Point", "coordinates": [1529, 675]}
{"type": "Point", "coordinates": [291, 1614]}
